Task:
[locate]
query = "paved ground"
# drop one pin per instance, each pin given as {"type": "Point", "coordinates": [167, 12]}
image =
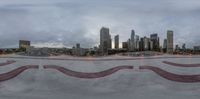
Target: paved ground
{"type": "Point", "coordinates": [113, 77]}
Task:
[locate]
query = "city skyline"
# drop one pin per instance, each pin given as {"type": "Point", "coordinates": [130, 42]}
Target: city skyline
{"type": "Point", "coordinates": [63, 23]}
{"type": "Point", "coordinates": [111, 39]}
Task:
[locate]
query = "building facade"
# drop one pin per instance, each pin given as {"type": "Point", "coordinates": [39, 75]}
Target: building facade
{"type": "Point", "coordinates": [137, 43]}
{"type": "Point", "coordinates": [170, 41]}
{"type": "Point", "coordinates": [78, 51]}
{"type": "Point", "coordinates": [165, 45]}
{"type": "Point", "coordinates": [146, 43]}
{"type": "Point", "coordinates": [117, 42]}
{"type": "Point", "coordinates": [155, 39]}
{"type": "Point", "coordinates": [24, 45]}
{"type": "Point", "coordinates": [125, 45]}
{"type": "Point", "coordinates": [132, 41]}
{"type": "Point", "coordinates": [105, 40]}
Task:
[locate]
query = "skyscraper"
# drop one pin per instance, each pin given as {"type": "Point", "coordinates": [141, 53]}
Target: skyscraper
{"type": "Point", "coordinates": [141, 44]}
{"type": "Point", "coordinates": [124, 45]}
{"type": "Point", "coordinates": [132, 35]}
{"type": "Point", "coordinates": [117, 41]}
{"type": "Point", "coordinates": [146, 43]}
{"type": "Point", "coordinates": [132, 41]}
{"type": "Point", "coordinates": [24, 44]}
{"type": "Point", "coordinates": [170, 42]}
{"type": "Point", "coordinates": [165, 45]}
{"type": "Point", "coordinates": [155, 39]}
{"type": "Point", "coordinates": [137, 40]}
{"type": "Point", "coordinates": [105, 40]}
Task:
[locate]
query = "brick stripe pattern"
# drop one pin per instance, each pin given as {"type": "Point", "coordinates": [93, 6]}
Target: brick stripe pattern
{"type": "Point", "coordinates": [181, 65]}
{"type": "Point", "coordinates": [87, 75]}
{"type": "Point", "coordinates": [16, 72]}
{"type": "Point", "coordinates": [171, 76]}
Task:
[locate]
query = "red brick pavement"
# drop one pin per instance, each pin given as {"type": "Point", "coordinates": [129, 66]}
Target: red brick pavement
{"type": "Point", "coordinates": [87, 75]}
{"type": "Point", "coordinates": [173, 77]}
{"type": "Point", "coordinates": [181, 65]}
{"type": "Point", "coordinates": [15, 72]}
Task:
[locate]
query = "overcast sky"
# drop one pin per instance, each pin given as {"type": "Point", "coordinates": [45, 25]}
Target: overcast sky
{"type": "Point", "coordinates": [61, 23]}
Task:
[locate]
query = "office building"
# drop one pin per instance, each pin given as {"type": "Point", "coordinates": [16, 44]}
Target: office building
{"type": "Point", "coordinates": [146, 43]}
{"type": "Point", "coordinates": [165, 45]}
{"type": "Point", "coordinates": [170, 42]}
{"type": "Point", "coordinates": [141, 44]}
{"type": "Point", "coordinates": [24, 44]}
{"type": "Point", "coordinates": [137, 41]}
{"type": "Point", "coordinates": [150, 45]}
{"type": "Point", "coordinates": [132, 41]}
{"type": "Point", "coordinates": [117, 42]}
{"type": "Point", "coordinates": [124, 45]}
{"type": "Point", "coordinates": [105, 40]}
{"type": "Point", "coordinates": [155, 39]}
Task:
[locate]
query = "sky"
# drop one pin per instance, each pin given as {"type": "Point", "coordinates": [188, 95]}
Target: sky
{"type": "Point", "coordinates": [63, 23]}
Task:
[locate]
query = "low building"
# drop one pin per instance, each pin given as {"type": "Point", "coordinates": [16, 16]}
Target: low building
{"type": "Point", "coordinates": [78, 51]}
{"type": "Point", "coordinates": [31, 51]}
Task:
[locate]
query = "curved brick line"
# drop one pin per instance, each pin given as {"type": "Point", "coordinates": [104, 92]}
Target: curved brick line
{"type": "Point", "coordinates": [181, 65]}
{"type": "Point", "coordinates": [173, 77]}
{"type": "Point", "coordinates": [7, 63]}
{"type": "Point", "coordinates": [16, 72]}
{"type": "Point", "coordinates": [87, 75]}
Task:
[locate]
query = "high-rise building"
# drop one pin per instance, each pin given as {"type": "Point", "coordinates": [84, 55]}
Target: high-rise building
{"type": "Point", "coordinates": [141, 44]}
{"type": "Point", "coordinates": [165, 45]}
{"type": "Point", "coordinates": [24, 44]}
{"type": "Point", "coordinates": [132, 41]}
{"type": "Point", "coordinates": [124, 45]}
{"type": "Point", "coordinates": [137, 41]}
{"type": "Point", "coordinates": [105, 40]}
{"type": "Point", "coordinates": [150, 45]}
{"type": "Point", "coordinates": [78, 45]}
{"type": "Point", "coordinates": [132, 35]}
{"type": "Point", "coordinates": [155, 39]}
{"type": "Point", "coordinates": [170, 42]}
{"type": "Point", "coordinates": [117, 41]}
{"type": "Point", "coordinates": [146, 43]}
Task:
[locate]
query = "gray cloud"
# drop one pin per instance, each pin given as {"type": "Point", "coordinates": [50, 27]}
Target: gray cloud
{"type": "Point", "coordinates": [67, 22]}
